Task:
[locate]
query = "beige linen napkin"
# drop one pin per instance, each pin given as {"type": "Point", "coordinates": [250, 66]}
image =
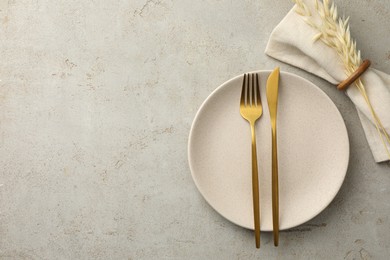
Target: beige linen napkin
{"type": "Point", "coordinates": [292, 42]}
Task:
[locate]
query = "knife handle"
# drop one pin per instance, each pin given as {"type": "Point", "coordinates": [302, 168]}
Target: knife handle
{"type": "Point", "coordinates": [255, 187]}
{"type": "Point", "coordinates": [275, 188]}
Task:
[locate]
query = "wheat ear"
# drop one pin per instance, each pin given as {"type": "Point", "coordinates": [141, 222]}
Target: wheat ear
{"type": "Point", "coordinates": [334, 32]}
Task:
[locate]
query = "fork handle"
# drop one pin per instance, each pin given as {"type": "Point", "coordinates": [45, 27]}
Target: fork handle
{"type": "Point", "coordinates": [255, 187]}
{"type": "Point", "coordinates": [275, 188]}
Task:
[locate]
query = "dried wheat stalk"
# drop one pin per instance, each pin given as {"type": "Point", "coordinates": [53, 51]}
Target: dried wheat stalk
{"type": "Point", "coordinates": [334, 32]}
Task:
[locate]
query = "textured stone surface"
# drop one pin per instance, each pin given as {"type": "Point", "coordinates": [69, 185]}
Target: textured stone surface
{"type": "Point", "coordinates": [96, 102]}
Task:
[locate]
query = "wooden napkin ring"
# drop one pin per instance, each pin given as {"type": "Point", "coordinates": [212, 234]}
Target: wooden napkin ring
{"type": "Point", "coordinates": [354, 76]}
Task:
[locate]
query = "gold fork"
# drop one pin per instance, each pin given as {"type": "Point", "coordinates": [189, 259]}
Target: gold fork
{"type": "Point", "coordinates": [252, 110]}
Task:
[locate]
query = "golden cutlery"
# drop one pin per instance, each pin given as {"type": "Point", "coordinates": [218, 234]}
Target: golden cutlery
{"type": "Point", "coordinates": [251, 110]}
{"type": "Point", "coordinates": [272, 98]}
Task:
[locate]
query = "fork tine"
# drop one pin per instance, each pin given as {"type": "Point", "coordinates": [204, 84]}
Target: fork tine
{"type": "Point", "coordinates": [248, 95]}
{"type": "Point", "coordinates": [258, 98]}
{"type": "Point", "coordinates": [253, 90]}
{"type": "Point", "coordinates": [242, 101]}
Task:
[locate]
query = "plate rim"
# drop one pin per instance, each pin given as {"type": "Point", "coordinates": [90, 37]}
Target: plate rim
{"type": "Point", "coordinates": [218, 89]}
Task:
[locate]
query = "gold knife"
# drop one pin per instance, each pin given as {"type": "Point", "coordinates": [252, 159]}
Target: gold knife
{"type": "Point", "coordinates": [272, 98]}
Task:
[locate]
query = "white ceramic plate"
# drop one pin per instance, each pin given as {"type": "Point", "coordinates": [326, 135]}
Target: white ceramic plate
{"type": "Point", "coordinates": [313, 150]}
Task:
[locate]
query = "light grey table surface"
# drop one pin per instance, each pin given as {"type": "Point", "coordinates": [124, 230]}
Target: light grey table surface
{"type": "Point", "coordinates": [96, 103]}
